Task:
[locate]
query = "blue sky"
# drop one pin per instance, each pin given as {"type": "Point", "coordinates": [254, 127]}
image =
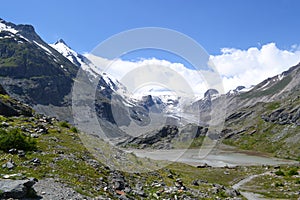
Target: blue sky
{"type": "Point", "coordinates": [214, 24]}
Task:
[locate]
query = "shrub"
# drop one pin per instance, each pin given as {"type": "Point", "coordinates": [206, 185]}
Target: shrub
{"type": "Point", "coordinates": [279, 185]}
{"type": "Point", "coordinates": [279, 173]}
{"type": "Point", "coordinates": [292, 172]}
{"type": "Point", "coordinates": [15, 139]}
{"type": "Point", "coordinates": [74, 129]}
{"type": "Point", "coordinates": [64, 124]}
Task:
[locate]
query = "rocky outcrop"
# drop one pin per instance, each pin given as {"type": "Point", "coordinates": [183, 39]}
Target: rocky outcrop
{"type": "Point", "coordinates": [211, 92]}
{"type": "Point", "coordinates": [163, 138]}
{"type": "Point", "coordinates": [10, 107]}
{"type": "Point", "coordinates": [16, 189]}
{"type": "Point", "coordinates": [166, 132]}
{"type": "Point", "coordinates": [283, 116]}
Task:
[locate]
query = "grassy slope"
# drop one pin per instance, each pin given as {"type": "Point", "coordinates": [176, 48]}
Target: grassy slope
{"type": "Point", "coordinates": [277, 139]}
{"type": "Point", "coordinates": [64, 158]}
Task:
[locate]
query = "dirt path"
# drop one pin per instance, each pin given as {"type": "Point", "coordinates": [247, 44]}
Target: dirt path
{"type": "Point", "coordinates": [249, 195]}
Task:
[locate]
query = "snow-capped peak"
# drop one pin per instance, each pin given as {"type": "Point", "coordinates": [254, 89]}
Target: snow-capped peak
{"type": "Point", "coordinates": [67, 52]}
{"type": "Point", "coordinates": [87, 65]}
{"type": "Point", "coordinates": [238, 90]}
{"type": "Point", "coordinates": [5, 27]}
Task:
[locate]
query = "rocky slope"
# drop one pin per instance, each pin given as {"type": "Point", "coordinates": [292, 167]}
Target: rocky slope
{"type": "Point", "coordinates": [30, 69]}
{"type": "Point", "coordinates": [43, 75]}
{"type": "Point", "coordinates": [60, 167]}
{"type": "Point", "coordinates": [11, 107]}
{"type": "Point", "coordinates": [114, 105]}
{"type": "Point", "coordinates": [267, 117]}
{"type": "Point", "coordinates": [33, 72]}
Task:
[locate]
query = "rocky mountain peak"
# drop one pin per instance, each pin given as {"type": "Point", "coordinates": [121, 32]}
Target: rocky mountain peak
{"type": "Point", "coordinates": [211, 92]}
{"type": "Point", "coordinates": [63, 43]}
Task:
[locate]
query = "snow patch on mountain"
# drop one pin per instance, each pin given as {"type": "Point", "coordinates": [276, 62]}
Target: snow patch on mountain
{"type": "Point", "coordinates": [88, 66]}
{"type": "Point", "coordinates": [4, 27]}
{"type": "Point", "coordinates": [42, 46]}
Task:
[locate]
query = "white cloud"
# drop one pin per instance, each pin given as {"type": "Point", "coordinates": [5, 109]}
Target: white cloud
{"type": "Point", "coordinates": [158, 73]}
{"type": "Point", "coordinates": [236, 67]}
{"type": "Point", "coordinates": [251, 66]}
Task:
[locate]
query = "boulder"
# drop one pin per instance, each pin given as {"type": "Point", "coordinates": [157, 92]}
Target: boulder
{"type": "Point", "coordinates": [232, 192]}
{"type": "Point", "coordinates": [9, 165]}
{"type": "Point", "coordinates": [15, 189]}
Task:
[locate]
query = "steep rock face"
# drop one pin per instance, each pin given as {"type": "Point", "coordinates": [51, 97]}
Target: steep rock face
{"type": "Point", "coordinates": [30, 70]}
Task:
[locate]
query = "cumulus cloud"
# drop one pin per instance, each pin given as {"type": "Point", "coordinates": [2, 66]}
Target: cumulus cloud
{"type": "Point", "coordinates": [251, 66]}
{"type": "Point", "coordinates": [153, 73]}
{"type": "Point", "coordinates": [235, 66]}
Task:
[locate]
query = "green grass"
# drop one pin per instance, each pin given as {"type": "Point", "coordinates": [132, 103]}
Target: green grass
{"type": "Point", "coordinates": [273, 106]}
{"type": "Point", "coordinates": [64, 124]}
{"type": "Point", "coordinates": [272, 138]}
{"type": "Point", "coordinates": [69, 166]}
{"type": "Point", "coordinates": [14, 138]}
{"type": "Point", "coordinates": [64, 158]}
{"type": "Point", "coordinates": [4, 97]}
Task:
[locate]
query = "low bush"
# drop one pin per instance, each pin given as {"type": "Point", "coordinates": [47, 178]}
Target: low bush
{"type": "Point", "coordinates": [279, 173]}
{"type": "Point", "coordinates": [64, 124]}
{"type": "Point", "coordinates": [14, 138]}
{"type": "Point", "coordinates": [292, 172]}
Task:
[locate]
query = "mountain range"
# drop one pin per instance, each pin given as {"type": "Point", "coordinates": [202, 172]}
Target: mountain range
{"type": "Point", "coordinates": [37, 99]}
{"type": "Point", "coordinates": [41, 75]}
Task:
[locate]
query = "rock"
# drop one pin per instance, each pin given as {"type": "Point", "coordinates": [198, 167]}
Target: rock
{"type": "Point", "coordinates": [178, 183]}
{"type": "Point", "coordinates": [195, 183]}
{"type": "Point", "coordinates": [34, 135]}
{"type": "Point", "coordinates": [139, 190]}
{"type": "Point", "coordinates": [226, 172]}
{"type": "Point", "coordinates": [217, 188]}
{"type": "Point", "coordinates": [21, 153]}
{"type": "Point", "coordinates": [123, 197]}
{"type": "Point", "coordinates": [170, 176]}
{"type": "Point", "coordinates": [5, 124]}
{"type": "Point", "coordinates": [139, 186]}
{"type": "Point", "coordinates": [232, 192]}
{"type": "Point", "coordinates": [13, 151]}
{"type": "Point", "coordinates": [18, 176]}
{"type": "Point", "coordinates": [140, 193]}
{"type": "Point", "coordinates": [170, 190]}
{"type": "Point", "coordinates": [118, 184]}
{"type": "Point", "coordinates": [202, 181]}
{"type": "Point", "coordinates": [210, 92]}
{"type": "Point", "coordinates": [15, 189]}
{"type": "Point", "coordinates": [127, 190]}
{"type": "Point", "coordinates": [35, 161]}
{"type": "Point", "coordinates": [156, 184]}
{"type": "Point", "coordinates": [9, 165]}
{"type": "Point", "coordinates": [205, 165]}
{"type": "Point", "coordinates": [94, 163]}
